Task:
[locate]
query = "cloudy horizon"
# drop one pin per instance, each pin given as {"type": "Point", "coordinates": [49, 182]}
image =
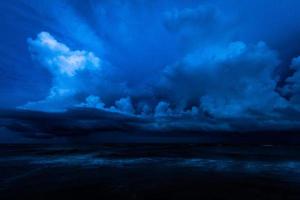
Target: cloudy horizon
{"type": "Point", "coordinates": [149, 66]}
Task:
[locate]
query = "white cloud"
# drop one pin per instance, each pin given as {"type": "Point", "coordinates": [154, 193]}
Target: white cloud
{"type": "Point", "coordinates": [58, 58]}
{"type": "Point", "coordinates": [74, 73]}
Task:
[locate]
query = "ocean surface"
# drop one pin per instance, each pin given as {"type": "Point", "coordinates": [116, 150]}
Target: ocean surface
{"type": "Point", "coordinates": [149, 171]}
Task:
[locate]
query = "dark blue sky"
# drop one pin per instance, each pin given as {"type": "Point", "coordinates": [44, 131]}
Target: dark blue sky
{"type": "Point", "coordinates": [194, 65]}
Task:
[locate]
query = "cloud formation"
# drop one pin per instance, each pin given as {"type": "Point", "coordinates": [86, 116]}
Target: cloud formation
{"type": "Point", "coordinates": [72, 123]}
{"type": "Point", "coordinates": [125, 105]}
{"type": "Point", "coordinates": [227, 80]}
{"type": "Point", "coordinates": [82, 123]}
{"type": "Point", "coordinates": [189, 70]}
{"type": "Point", "coordinates": [92, 102]}
{"type": "Point", "coordinates": [59, 59]}
{"type": "Point", "coordinates": [242, 81]}
{"type": "Point", "coordinates": [292, 88]}
{"type": "Point", "coordinates": [76, 74]}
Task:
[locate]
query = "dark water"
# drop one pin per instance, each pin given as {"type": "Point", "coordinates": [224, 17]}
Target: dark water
{"type": "Point", "coordinates": [144, 171]}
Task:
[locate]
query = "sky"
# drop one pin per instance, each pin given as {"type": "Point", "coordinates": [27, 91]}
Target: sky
{"type": "Point", "coordinates": [74, 69]}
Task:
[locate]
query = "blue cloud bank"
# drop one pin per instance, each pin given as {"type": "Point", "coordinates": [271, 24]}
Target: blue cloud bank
{"type": "Point", "coordinates": [160, 66]}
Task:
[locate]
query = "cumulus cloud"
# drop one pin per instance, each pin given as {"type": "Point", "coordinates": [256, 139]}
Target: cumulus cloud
{"type": "Point", "coordinates": [162, 109]}
{"type": "Point", "coordinates": [244, 82]}
{"type": "Point", "coordinates": [210, 86]}
{"type": "Point", "coordinates": [125, 105]}
{"type": "Point", "coordinates": [92, 102]}
{"type": "Point", "coordinates": [292, 88]}
{"type": "Point", "coordinates": [222, 77]}
{"type": "Point", "coordinates": [58, 58]}
{"type": "Point", "coordinates": [76, 74]}
{"type": "Point", "coordinates": [229, 80]}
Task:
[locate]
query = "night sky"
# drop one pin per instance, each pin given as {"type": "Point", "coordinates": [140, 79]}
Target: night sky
{"type": "Point", "coordinates": [79, 70]}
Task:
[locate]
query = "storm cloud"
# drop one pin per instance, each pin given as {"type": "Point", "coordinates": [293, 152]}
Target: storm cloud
{"type": "Point", "coordinates": [184, 66]}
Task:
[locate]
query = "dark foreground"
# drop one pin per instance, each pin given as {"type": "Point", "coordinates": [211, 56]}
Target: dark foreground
{"type": "Point", "coordinates": [149, 172]}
